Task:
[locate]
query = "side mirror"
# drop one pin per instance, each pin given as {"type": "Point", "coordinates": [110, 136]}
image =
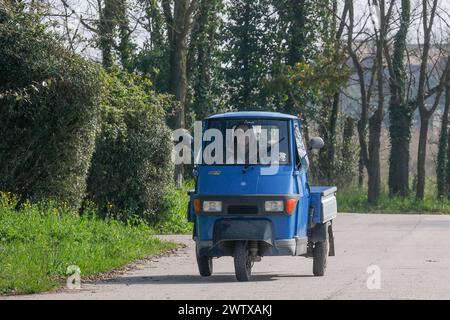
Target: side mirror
{"type": "Point", "coordinates": [316, 143]}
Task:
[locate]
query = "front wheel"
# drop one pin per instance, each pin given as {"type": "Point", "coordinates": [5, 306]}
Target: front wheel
{"type": "Point", "coordinates": [205, 265]}
{"type": "Point", "coordinates": [320, 253]}
{"type": "Point", "coordinates": [242, 261]}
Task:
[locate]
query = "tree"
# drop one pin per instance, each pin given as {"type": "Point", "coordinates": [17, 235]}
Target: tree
{"type": "Point", "coordinates": [247, 59]}
{"type": "Point", "coordinates": [107, 23]}
{"type": "Point", "coordinates": [126, 46]}
{"type": "Point", "coordinates": [203, 59]}
{"type": "Point", "coordinates": [178, 16]}
{"type": "Point", "coordinates": [363, 89]}
{"type": "Point", "coordinates": [152, 59]}
{"type": "Point", "coordinates": [293, 14]}
{"type": "Point", "coordinates": [330, 103]}
{"type": "Point", "coordinates": [447, 164]}
{"type": "Point", "coordinates": [428, 18]}
{"type": "Point", "coordinates": [370, 153]}
{"type": "Point", "coordinates": [442, 157]}
{"type": "Point", "coordinates": [400, 112]}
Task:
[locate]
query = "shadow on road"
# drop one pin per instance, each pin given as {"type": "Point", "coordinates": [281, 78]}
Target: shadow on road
{"type": "Point", "coordinates": [193, 279]}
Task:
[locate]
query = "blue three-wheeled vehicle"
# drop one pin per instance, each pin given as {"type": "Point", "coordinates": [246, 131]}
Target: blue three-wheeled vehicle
{"type": "Point", "coordinates": [251, 210]}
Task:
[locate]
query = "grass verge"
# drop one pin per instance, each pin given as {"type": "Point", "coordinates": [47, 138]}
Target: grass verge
{"type": "Point", "coordinates": [174, 213]}
{"type": "Point", "coordinates": [40, 241]}
{"type": "Point", "coordinates": [354, 199]}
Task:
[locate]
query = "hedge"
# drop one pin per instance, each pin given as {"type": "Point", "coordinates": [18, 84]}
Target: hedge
{"type": "Point", "coordinates": [131, 168]}
{"type": "Point", "coordinates": [49, 112]}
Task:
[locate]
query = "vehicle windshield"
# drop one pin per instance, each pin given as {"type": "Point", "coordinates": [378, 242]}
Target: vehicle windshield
{"type": "Point", "coordinates": [246, 142]}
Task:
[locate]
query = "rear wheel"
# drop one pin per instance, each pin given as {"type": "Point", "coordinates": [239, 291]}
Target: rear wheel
{"type": "Point", "coordinates": [320, 253]}
{"type": "Point", "coordinates": [242, 261]}
{"type": "Point", "coordinates": [205, 265]}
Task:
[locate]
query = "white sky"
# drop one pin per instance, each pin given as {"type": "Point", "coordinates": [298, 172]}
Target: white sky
{"type": "Point", "coordinates": [88, 9]}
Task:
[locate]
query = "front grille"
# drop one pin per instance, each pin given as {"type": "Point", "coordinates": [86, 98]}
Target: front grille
{"type": "Point", "coordinates": [240, 209]}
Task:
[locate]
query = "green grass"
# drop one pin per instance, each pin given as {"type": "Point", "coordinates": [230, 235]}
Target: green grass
{"type": "Point", "coordinates": [175, 212]}
{"type": "Point", "coordinates": [39, 242]}
{"type": "Point", "coordinates": [354, 199]}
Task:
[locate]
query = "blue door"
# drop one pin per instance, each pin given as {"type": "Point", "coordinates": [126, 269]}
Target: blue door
{"type": "Point", "coordinates": [301, 179]}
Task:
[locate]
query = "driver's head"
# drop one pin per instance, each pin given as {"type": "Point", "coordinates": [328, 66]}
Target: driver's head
{"type": "Point", "coordinates": [244, 127]}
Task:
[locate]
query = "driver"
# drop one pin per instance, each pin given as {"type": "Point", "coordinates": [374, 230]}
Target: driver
{"type": "Point", "coordinates": [250, 148]}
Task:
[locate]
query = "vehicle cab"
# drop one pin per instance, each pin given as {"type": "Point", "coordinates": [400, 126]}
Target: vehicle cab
{"type": "Point", "coordinates": [252, 197]}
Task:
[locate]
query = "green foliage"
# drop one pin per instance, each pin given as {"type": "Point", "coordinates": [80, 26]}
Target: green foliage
{"type": "Point", "coordinates": [400, 112]}
{"type": "Point", "coordinates": [307, 82]}
{"type": "Point", "coordinates": [303, 24]}
{"type": "Point", "coordinates": [152, 60]}
{"type": "Point", "coordinates": [113, 23]}
{"type": "Point", "coordinates": [39, 242]}
{"type": "Point", "coordinates": [247, 56]}
{"type": "Point", "coordinates": [342, 167]}
{"type": "Point", "coordinates": [281, 55]}
{"type": "Point", "coordinates": [131, 167]}
{"type": "Point", "coordinates": [153, 64]}
{"type": "Point", "coordinates": [204, 55]}
{"type": "Point", "coordinates": [48, 113]}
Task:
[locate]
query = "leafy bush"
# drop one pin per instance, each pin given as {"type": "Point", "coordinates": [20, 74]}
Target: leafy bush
{"type": "Point", "coordinates": [48, 113]}
{"type": "Point", "coordinates": [40, 241]}
{"type": "Point", "coordinates": [131, 168]}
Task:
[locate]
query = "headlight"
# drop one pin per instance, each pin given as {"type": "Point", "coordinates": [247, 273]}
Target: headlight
{"type": "Point", "coordinates": [212, 206]}
{"type": "Point", "coordinates": [274, 206]}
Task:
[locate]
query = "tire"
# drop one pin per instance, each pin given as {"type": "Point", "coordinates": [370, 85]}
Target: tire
{"type": "Point", "coordinates": [205, 265]}
{"type": "Point", "coordinates": [320, 253]}
{"type": "Point", "coordinates": [242, 261]}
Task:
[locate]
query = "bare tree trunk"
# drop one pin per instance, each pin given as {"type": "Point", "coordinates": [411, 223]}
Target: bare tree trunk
{"type": "Point", "coordinates": [361, 168]}
{"type": "Point", "coordinates": [447, 167]}
{"type": "Point", "coordinates": [179, 26]}
{"type": "Point", "coordinates": [421, 157]}
{"type": "Point", "coordinates": [347, 141]}
{"type": "Point", "coordinates": [179, 89]}
{"type": "Point", "coordinates": [373, 170]}
{"type": "Point", "coordinates": [347, 137]}
{"type": "Point", "coordinates": [179, 80]}
{"type": "Point", "coordinates": [328, 132]}
{"type": "Point", "coordinates": [362, 123]}
{"type": "Point", "coordinates": [442, 150]}
{"type": "Point", "coordinates": [425, 114]}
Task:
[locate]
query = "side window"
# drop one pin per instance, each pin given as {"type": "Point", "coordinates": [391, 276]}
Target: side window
{"type": "Point", "coordinates": [302, 154]}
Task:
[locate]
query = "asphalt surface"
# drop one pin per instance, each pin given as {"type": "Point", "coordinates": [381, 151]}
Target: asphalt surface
{"type": "Point", "coordinates": [409, 255]}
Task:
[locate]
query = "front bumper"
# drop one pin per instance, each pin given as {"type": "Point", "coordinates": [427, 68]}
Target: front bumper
{"type": "Point", "coordinates": [284, 247]}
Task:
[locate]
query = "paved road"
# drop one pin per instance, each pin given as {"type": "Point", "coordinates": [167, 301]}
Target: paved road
{"type": "Point", "coordinates": [412, 252]}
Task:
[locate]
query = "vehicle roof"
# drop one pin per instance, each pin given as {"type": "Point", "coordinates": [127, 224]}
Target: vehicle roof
{"type": "Point", "coordinates": [253, 114]}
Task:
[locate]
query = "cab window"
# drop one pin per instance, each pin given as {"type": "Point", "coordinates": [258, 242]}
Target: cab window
{"type": "Point", "coordinates": [302, 154]}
